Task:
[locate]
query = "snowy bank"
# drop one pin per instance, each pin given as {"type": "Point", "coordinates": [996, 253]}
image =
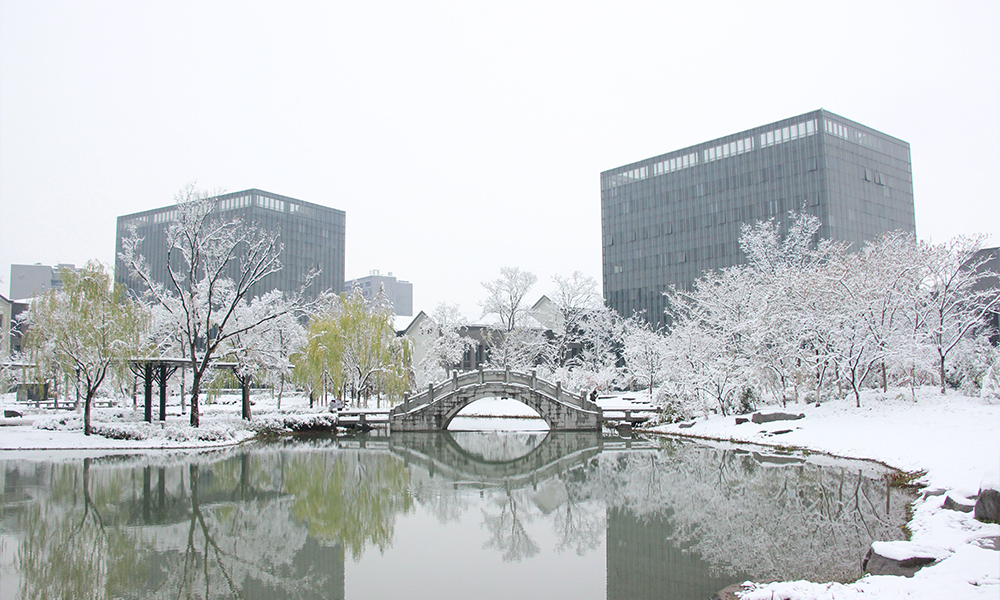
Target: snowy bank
{"type": "Point", "coordinates": [955, 439]}
{"type": "Point", "coordinates": [125, 429]}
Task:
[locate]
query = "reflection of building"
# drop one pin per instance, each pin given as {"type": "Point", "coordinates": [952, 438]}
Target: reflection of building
{"type": "Point", "coordinates": [312, 236]}
{"type": "Point", "coordinates": [33, 280]}
{"type": "Point", "coordinates": [668, 218]}
{"type": "Point", "coordinates": [644, 563]}
{"type": "Point", "coordinates": [398, 292]}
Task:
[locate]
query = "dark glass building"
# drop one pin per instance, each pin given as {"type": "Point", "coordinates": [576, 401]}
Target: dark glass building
{"type": "Point", "coordinates": [312, 236]}
{"type": "Point", "coordinates": [667, 219]}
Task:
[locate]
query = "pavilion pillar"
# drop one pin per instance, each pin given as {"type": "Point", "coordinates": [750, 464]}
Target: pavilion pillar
{"type": "Point", "coordinates": [163, 392]}
{"type": "Point", "coordinates": [147, 376]}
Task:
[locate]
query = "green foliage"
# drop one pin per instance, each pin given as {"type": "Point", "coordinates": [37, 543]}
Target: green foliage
{"type": "Point", "coordinates": [747, 401]}
{"type": "Point", "coordinates": [353, 350]}
{"type": "Point", "coordinates": [88, 330]}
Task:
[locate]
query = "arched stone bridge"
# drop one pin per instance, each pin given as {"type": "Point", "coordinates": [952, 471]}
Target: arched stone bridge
{"type": "Point", "coordinates": [434, 408]}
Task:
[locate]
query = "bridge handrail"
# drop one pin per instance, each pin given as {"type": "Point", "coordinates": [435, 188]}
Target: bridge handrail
{"type": "Point", "coordinates": [440, 390]}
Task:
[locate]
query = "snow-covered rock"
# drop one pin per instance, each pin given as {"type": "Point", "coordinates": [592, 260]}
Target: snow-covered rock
{"type": "Point", "coordinates": [900, 558]}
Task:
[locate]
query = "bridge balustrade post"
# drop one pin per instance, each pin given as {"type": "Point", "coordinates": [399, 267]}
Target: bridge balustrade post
{"type": "Point", "coordinates": [534, 378]}
{"type": "Point", "coordinates": [454, 380]}
{"type": "Point", "coordinates": [481, 380]}
{"type": "Point", "coordinates": [506, 375]}
{"type": "Point", "coordinates": [406, 401]}
{"type": "Point", "coordinates": [558, 390]}
{"type": "Point", "coordinates": [430, 393]}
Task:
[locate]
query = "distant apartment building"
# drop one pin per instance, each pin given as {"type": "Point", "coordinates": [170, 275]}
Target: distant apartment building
{"type": "Point", "coordinates": [6, 308]}
{"type": "Point", "coordinates": [667, 219]}
{"type": "Point", "coordinates": [27, 281]}
{"type": "Point", "coordinates": [312, 237]}
{"type": "Point", "coordinates": [399, 292]}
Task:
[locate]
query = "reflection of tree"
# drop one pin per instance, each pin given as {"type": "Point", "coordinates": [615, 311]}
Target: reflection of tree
{"type": "Point", "coordinates": [349, 497]}
{"type": "Point", "coordinates": [507, 531]}
{"type": "Point", "coordinates": [742, 513]}
{"type": "Point", "coordinates": [232, 544]}
{"type": "Point", "coordinates": [80, 548]}
{"type": "Point", "coordinates": [581, 527]}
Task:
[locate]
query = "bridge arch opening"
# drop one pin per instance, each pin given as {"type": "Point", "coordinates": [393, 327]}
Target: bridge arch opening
{"type": "Point", "coordinates": [497, 414]}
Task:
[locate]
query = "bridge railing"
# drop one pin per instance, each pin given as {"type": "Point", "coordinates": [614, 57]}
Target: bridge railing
{"type": "Point", "coordinates": [482, 376]}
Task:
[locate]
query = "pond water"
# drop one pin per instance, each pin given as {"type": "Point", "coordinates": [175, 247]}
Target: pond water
{"type": "Point", "coordinates": [437, 515]}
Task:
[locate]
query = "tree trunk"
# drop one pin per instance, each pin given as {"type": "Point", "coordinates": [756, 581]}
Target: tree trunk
{"type": "Point", "coordinates": [941, 364]}
{"type": "Point", "coordinates": [281, 388]}
{"type": "Point", "coordinates": [86, 412]}
{"type": "Point", "coordinates": [245, 389]}
{"type": "Point", "coordinates": [885, 379]}
{"type": "Point", "coordinates": [195, 389]}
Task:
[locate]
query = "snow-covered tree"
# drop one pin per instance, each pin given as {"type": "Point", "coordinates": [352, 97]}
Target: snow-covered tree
{"type": "Point", "coordinates": [88, 328]}
{"type": "Point", "coordinates": [515, 341]}
{"type": "Point", "coordinates": [955, 306]}
{"type": "Point", "coordinates": [445, 343]}
{"type": "Point", "coordinates": [644, 353]}
{"type": "Point", "coordinates": [199, 299]}
{"type": "Point", "coordinates": [576, 299]}
{"type": "Point", "coordinates": [266, 347]}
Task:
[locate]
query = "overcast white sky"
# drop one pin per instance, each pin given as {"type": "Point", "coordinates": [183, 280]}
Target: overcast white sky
{"type": "Point", "coordinates": [460, 137]}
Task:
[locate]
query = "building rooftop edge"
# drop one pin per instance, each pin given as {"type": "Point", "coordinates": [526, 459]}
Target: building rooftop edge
{"type": "Point", "coordinates": [239, 193]}
{"type": "Point", "coordinates": [820, 112]}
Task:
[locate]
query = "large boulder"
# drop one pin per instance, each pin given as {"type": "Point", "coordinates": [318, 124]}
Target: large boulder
{"type": "Point", "coordinates": [988, 506]}
{"type": "Point", "coordinates": [900, 558]}
{"type": "Point", "coordinates": [759, 418]}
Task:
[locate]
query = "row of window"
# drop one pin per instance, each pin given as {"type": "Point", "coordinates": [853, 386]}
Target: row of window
{"type": "Point", "coordinates": [730, 149]}
{"type": "Point", "coordinates": [741, 181]}
{"type": "Point", "coordinates": [787, 134]}
{"type": "Point", "coordinates": [734, 148]}
{"type": "Point", "coordinates": [675, 164]}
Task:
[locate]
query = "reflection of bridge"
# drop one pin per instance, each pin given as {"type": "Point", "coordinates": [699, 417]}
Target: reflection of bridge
{"type": "Point", "coordinates": [434, 408]}
{"type": "Point", "coordinates": [441, 454]}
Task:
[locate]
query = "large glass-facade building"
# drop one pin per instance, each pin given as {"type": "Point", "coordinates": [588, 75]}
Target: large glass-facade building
{"type": "Point", "coordinates": [667, 219]}
{"type": "Point", "coordinates": [312, 237]}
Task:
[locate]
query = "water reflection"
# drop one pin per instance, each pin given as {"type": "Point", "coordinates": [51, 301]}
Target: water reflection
{"type": "Point", "coordinates": [672, 519]}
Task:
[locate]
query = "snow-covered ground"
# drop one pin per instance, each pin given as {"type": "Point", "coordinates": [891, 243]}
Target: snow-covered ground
{"type": "Point", "coordinates": [955, 439]}
{"type": "Point", "coordinates": [40, 431]}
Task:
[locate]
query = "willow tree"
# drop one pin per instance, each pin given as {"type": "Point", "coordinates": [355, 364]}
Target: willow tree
{"type": "Point", "coordinates": [353, 348]}
{"type": "Point", "coordinates": [87, 329]}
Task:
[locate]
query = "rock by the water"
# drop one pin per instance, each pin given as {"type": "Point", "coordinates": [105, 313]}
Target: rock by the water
{"type": "Point", "coordinates": [961, 504]}
{"type": "Point", "coordinates": [12, 414]}
{"type": "Point", "coordinates": [686, 425]}
{"type": "Point", "coordinates": [759, 418]}
{"type": "Point", "coordinates": [988, 506]}
{"type": "Point", "coordinates": [899, 558]}
{"type": "Point", "coordinates": [742, 420]}
{"type": "Point", "coordinates": [728, 593]}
